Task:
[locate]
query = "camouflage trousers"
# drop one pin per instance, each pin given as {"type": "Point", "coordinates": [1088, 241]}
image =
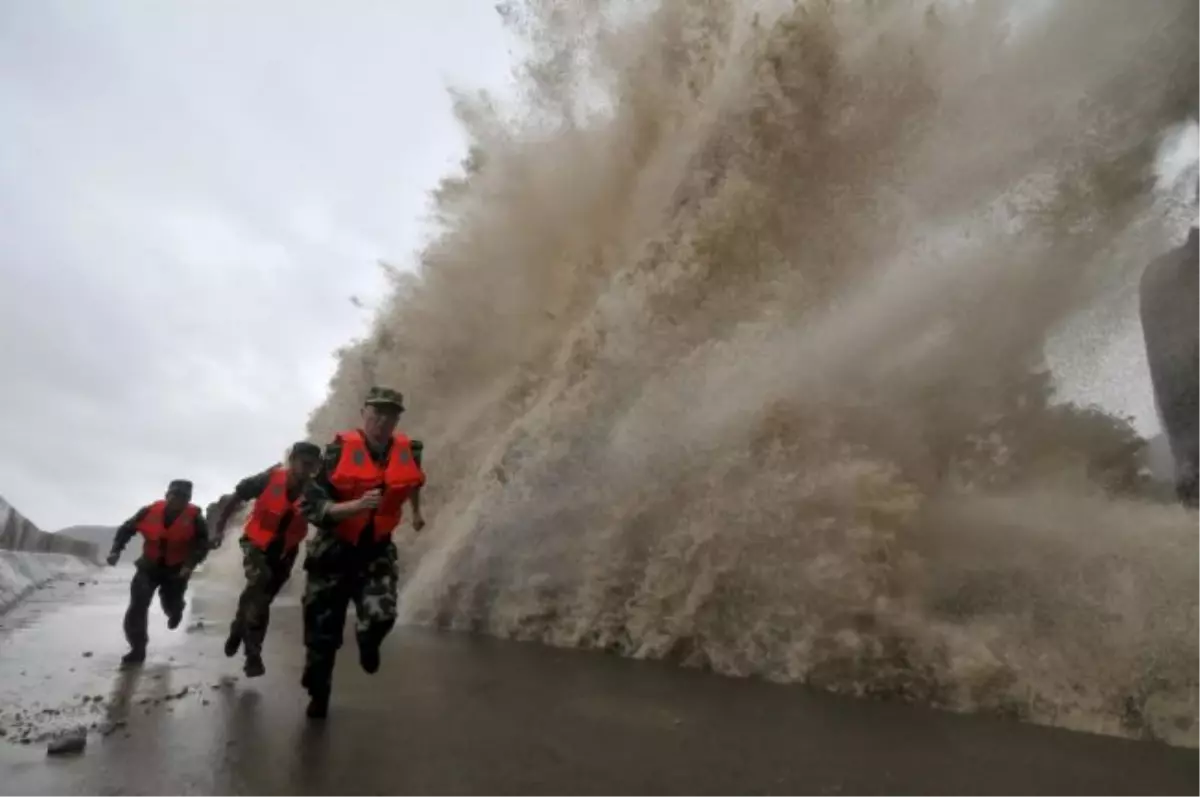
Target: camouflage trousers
{"type": "Point", "coordinates": [337, 575]}
{"type": "Point", "coordinates": [266, 573]}
{"type": "Point", "coordinates": [148, 579]}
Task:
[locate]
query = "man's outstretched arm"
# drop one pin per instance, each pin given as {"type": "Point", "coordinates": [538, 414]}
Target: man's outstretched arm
{"type": "Point", "coordinates": [125, 532]}
{"type": "Point", "coordinates": [247, 489]}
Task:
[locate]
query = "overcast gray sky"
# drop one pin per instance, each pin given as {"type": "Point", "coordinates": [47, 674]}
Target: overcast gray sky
{"type": "Point", "coordinates": [189, 195]}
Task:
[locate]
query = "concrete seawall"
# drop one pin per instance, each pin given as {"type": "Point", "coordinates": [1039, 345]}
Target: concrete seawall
{"type": "Point", "coordinates": [30, 557]}
{"type": "Point", "coordinates": [18, 533]}
{"type": "Point", "coordinates": [21, 573]}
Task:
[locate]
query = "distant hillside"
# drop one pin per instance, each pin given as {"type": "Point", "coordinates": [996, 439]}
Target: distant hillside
{"type": "Point", "coordinates": [100, 536]}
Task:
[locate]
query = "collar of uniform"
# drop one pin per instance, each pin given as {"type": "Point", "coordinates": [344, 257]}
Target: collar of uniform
{"type": "Point", "coordinates": [378, 453]}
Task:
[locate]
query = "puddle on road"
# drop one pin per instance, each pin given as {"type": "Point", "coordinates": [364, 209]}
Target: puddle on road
{"type": "Point", "coordinates": [60, 653]}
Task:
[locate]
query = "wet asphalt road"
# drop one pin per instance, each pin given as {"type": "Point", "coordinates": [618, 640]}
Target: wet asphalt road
{"type": "Point", "coordinates": [456, 714]}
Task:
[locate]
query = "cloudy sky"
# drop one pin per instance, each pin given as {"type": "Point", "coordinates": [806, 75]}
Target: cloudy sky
{"type": "Point", "coordinates": [190, 193]}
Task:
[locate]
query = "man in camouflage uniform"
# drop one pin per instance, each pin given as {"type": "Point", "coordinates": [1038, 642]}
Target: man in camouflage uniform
{"type": "Point", "coordinates": [270, 541]}
{"type": "Point", "coordinates": [176, 540]}
{"type": "Point", "coordinates": [355, 503]}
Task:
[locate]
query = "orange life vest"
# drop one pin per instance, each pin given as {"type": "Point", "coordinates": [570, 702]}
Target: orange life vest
{"type": "Point", "coordinates": [356, 474]}
{"type": "Point", "coordinates": [269, 508]}
{"type": "Point", "coordinates": [163, 544]}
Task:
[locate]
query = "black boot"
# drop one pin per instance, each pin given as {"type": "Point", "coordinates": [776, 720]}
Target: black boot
{"type": "Point", "coordinates": [316, 680]}
{"type": "Point", "coordinates": [318, 704]}
{"type": "Point", "coordinates": [254, 665]}
{"type": "Point", "coordinates": [173, 620]}
{"type": "Point", "coordinates": [136, 655]}
{"type": "Point", "coordinates": [233, 642]}
{"type": "Point", "coordinates": [368, 656]}
{"type": "Point", "coordinates": [369, 642]}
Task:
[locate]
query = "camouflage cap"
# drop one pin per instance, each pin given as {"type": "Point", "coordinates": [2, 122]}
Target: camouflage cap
{"type": "Point", "coordinates": [384, 397]}
{"type": "Point", "coordinates": [304, 449]}
{"type": "Point", "coordinates": [181, 487]}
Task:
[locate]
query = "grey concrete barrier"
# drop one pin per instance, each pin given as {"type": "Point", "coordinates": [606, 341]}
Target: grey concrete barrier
{"type": "Point", "coordinates": [17, 533]}
{"type": "Point", "coordinates": [21, 572]}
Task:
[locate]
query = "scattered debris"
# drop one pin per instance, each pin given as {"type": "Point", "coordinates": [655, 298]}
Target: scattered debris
{"type": "Point", "coordinates": [112, 727]}
{"type": "Point", "coordinates": [87, 654]}
{"type": "Point", "coordinates": [66, 745]}
{"type": "Point", "coordinates": [204, 701]}
{"type": "Point", "coordinates": [3, 733]}
{"type": "Point", "coordinates": [196, 626]}
{"type": "Point", "coordinates": [83, 583]}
